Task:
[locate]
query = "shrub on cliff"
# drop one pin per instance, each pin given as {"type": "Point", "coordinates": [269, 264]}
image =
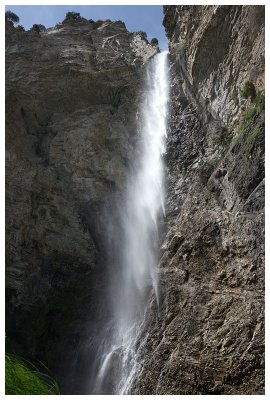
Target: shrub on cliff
{"type": "Point", "coordinates": [154, 42]}
{"type": "Point", "coordinates": [248, 90]}
{"type": "Point", "coordinates": [260, 101]}
{"type": "Point", "coordinates": [251, 114]}
{"type": "Point", "coordinates": [72, 16]}
{"type": "Point", "coordinates": [59, 25]}
{"type": "Point", "coordinates": [38, 28]}
{"type": "Point", "coordinates": [20, 28]}
{"type": "Point", "coordinates": [11, 17]}
{"type": "Point", "coordinates": [22, 378]}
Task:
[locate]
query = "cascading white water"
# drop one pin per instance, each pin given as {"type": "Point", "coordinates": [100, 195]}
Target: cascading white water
{"type": "Point", "coordinates": [139, 244]}
{"type": "Point", "coordinates": [145, 189]}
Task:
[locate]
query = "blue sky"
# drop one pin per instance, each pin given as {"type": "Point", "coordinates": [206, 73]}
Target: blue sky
{"type": "Point", "coordinates": [137, 18]}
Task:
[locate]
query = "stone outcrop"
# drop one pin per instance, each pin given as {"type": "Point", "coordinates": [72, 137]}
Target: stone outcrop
{"type": "Point", "coordinates": [208, 335]}
{"type": "Point", "coordinates": [72, 95]}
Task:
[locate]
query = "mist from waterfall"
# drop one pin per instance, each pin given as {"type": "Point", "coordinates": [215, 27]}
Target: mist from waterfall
{"type": "Point", "coordinates": [133, 277]}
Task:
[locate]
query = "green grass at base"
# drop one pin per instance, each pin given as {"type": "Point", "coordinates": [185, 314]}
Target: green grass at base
{"type": "Point", "coordinates": [20, 379]}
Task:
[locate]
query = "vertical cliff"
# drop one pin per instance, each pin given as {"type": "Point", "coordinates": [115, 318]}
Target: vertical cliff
{"type": "Point", "coordinates": [208, 335]}
{"type": "Point", "coordinates": [72, 96]}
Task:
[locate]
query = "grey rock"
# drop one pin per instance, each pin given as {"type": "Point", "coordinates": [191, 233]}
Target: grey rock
{"type": "Point", "coordinates": [208, 335]}
{"type": "Point", "coordinates": [72, 96]}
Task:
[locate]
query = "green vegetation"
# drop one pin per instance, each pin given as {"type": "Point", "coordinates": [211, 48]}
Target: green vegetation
{"type": "Point", "coordinates": [58, 25]}
{"type": "Point", "coordinates": [38, 28]}
{"type": "Point", "coordinates": [250, 133]}
{"type": "Point", "coordinates": [24, 378]}
{"type": "Point", "coordinates": [235, 139]}
{"type": "Point", "coordinates": [248, 90]}
{"type": "Point", "coordinates": [224, 137]}
{"type": "Point", "coordinates": [249, 115]}
{"type": "Point", "coordinates": [249, 146]}
{"type": "Point", "coordinates": [11, 17]}
{"type": "Point", "coordinates": [154, 42]}
{"type": "Point", "coordinates": [260, 101]}
{"type": "Point", "coordinates": [249, 126]}
{"type": "Point", "coordinates": [72, 16]}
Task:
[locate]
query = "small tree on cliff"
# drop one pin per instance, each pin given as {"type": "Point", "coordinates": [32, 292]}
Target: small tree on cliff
{"type": "Point", "coordinates": [21, 28]}
{"type": "Point", "coordinates": [72, 16]}
{"type": "Point", "coordinates": [38, 28]}
{"type": "Point", "coordinates": [154, 42]}
{"type": "Point", "coordinates": [11, 17]}
{"type": "Point", "coordinates": [248, 90]}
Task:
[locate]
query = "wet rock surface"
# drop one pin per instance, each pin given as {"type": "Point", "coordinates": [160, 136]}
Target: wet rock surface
{"type": "Point", "coordinates": [72, 95]}
{"type": "Point", "coordinates": [208, 335]}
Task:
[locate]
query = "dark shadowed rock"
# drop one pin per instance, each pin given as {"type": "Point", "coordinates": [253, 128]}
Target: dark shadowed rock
{"type": "Point", "coordinates": [72, 95]}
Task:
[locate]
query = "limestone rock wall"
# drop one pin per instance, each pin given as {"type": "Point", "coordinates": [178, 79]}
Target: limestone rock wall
{"type": "Point", "coordinates": [72, 96]}
{"type": "Point", "coordinates": [208, 335]}
{"type": "Point", "coordinates": [216, 49]}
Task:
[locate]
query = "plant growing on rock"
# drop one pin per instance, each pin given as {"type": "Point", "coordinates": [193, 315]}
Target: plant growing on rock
{"type": "Point", "coordinates": [222, 139]}
{"type": "Point", "coordinates": [248, 90]}
{"type": "Point", "coordinates": [11, 18]}
{"type": "Point", "coordinates": [21, 28]}
{"type": "Point", "coordinates": [58, 25]}
{"type": "Point", "coordinates": [72, 16]}
{"type": "Point", "coordinates": [38, 28]}
{"type": "Point", "coordinates": [260, 101]}
{"type": "Point", "coordinates": [154, 42]}
{"type": "Point", "coordinates": [253, 111]}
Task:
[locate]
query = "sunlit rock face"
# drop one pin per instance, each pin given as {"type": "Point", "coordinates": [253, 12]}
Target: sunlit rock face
{"type": "Point", "coordinates": [217, 48]}
{"type": "Point", "coordinates": [208, 335]}
{"type": "Point", "coordinates": [72, 97]}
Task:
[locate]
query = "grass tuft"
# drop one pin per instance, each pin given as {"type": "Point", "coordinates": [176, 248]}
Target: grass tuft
{"type": "Point", "coordinates": [24, 378]}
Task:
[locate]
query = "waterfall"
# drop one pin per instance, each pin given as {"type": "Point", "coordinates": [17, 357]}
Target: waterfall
{"type": "Point", "coordinates": [135, 276]}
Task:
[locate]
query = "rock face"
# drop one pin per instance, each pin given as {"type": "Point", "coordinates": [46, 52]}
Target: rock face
{"type": "Point", "coordinates": [208, 336]}
{"type": "Point", "coordinates": [215, 49]}
{"type": "Point", "coordinates": [72, 96]}
{"type": "Point", "coordinates": [71, 102]}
